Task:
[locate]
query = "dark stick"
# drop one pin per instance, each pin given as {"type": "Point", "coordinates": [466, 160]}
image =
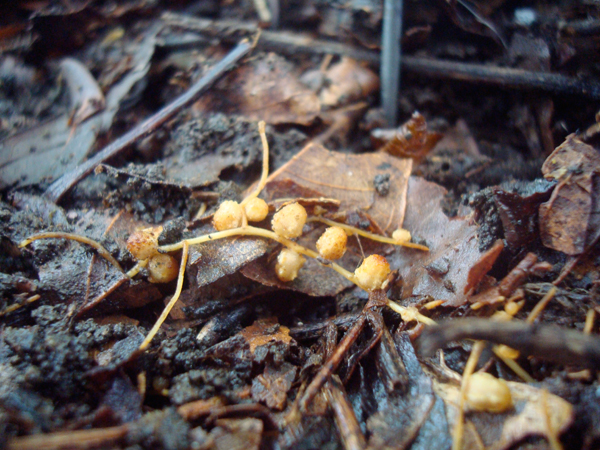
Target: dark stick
{"type": "Point", "coordinates": [293, 43]}
{"type": "Point", "coordinates": [502, 76]}
{"type": "Point", "coordinates": [377, 299]}
{"type": "Point", "coordinates": [345, 418]}
{"type": "Point", "coordinates": [68, 180]}
{"type": "Point", "coordinates": [390, 59]}
{"type": "Point", "coordinates": [333, 362]}
{"type": "Point", "coordinates": [549, 342]}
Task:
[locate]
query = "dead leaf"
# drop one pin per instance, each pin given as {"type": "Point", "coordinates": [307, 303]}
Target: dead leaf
{"type": "Point", "coordinates": [471, 18]}
{"type": "Point", "coordinates": [282, 192]}
{"type": "Point", "coordinates": [313, 279]}
{"type": "Point", "coordinates": [213, 260]}
{"type": "Point", "coordinates": [528, 418]}
{"type": "Point", "coordinates": [350, 179]}
{"type": "Point", "coordinates": [570, 220]}
{"type": "Point", "coordinates": [75, 274]}
{"type": "Point", "coordinates": [410, 140]}
{"type": "Point", "coordinates": [347, 82]}
{"type": "Point", "coordinates": [60, 146]}
{"type": "Point", "coordinates": [519, 211]}
{"type": "Point", "coordinates": [417, 417]}
{"type": "Point", "coordinates": [483, 266]}
{"type": "Point", "coordinates": [86, 96]}
{"type": "Point", "coordinates": [452, 242]}
{"type": "Point", "coordinates": [265, 88]}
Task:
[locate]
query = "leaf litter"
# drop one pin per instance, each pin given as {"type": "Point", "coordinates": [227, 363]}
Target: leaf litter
{"type": "Point", "coordinates": [251, 361]}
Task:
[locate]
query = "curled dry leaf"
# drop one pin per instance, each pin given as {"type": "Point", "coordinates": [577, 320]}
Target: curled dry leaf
{"type": "Point", "coordinates": [519, 211]}
{"type": "Point", "coordinates": [410, 140]}
{"type": "Point", "coordinates": [483, 266]}
{"type": "Point", "coordinates": [56, 143]}
{"type": "Point", "coordinates": [570, 220]}
{"type": "Point", "coordinates": [86, 96]}
{"type": "Point", "coordinates": [347, 81]}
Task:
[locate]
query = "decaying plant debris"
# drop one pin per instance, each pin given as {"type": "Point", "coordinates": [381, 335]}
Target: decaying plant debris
{"type": "Point", "coordinates": [121, 117]}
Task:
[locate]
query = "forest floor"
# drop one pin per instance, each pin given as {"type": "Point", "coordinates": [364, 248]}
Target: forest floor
{"type": "Point", "coordinates": [117, 117]}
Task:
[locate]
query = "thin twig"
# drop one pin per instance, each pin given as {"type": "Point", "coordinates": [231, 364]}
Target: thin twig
{"type": "Point", "coordinates": [294, 43]}
{"type": "Point", "coordinates": [67, 181]}
{"type": "Point", "coordinates": [377, 299]}
{"type": "Point", "coordinates": [345, 418]}
{"type": "Point", "coordinates": [549, 342]}
{"type": "Point", "coordinates": [78, 439]}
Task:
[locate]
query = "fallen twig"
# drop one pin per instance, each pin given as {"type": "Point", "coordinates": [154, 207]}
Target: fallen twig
{"type": "Point", "coordinates": [79, 439]}
{"type": "Point", "coordinates": [377, 299]}
{"type": "Point", "coordinates": [549, 342]}
{"type": "Point", "coordinates": [293, 43]}
{"type": "Point", "coordinates": [67, 181]}
{"type": "Point", "coordinates": [345, 418]}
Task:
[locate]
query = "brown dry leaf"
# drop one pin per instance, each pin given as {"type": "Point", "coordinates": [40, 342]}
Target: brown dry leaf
{"type": "Point", "coordinates": [570, 220]}
{"type": "Point", "coordinates": [533, 410]}
{"type": "Point", "coordinates": [351, 179]}
{"type": "Point", "coordinates": [272, 386]}
{"type": "Point", "coordinates": [452, 243]}
{"type": "Point", "coordinates": [333, 177]}
{"type": "Point", "coordinates": [281, 192]}
{"type": "Point", "coordinates": [346, 82]}
{"type": "Point", "coordinates": [265, 88]}
{"type": "Point", "coordinates": [410, 140]}
{"type": "Point", "coordinates": [264, 331]}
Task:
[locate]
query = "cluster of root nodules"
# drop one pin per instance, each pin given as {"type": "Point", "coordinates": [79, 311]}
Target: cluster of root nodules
{"type": "Point", "coordinates": [233, 218]}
